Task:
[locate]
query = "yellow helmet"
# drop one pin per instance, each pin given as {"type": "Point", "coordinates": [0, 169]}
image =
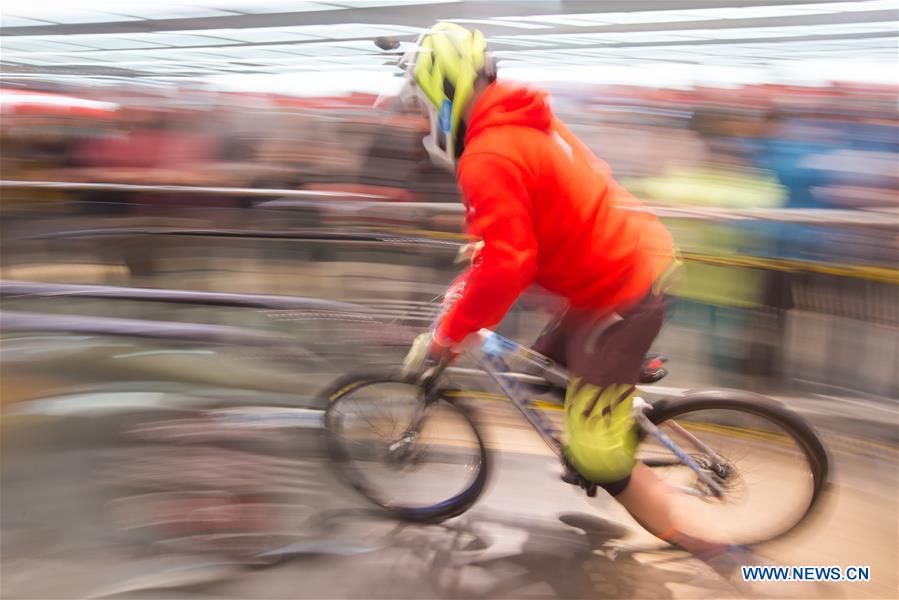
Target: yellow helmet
{"type": "Point", "coordinates": [441, 71]}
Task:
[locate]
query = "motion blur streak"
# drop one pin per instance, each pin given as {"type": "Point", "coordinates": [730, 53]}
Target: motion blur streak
{"type": "Point", "coordinates": [204, 221]}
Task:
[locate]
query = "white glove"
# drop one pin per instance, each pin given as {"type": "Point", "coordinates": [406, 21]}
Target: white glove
{"type": "Point", "coordinates": [415, 360]}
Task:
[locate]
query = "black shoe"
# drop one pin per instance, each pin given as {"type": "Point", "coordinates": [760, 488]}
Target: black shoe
{"type": "Point", "coordinates": [572, 477]}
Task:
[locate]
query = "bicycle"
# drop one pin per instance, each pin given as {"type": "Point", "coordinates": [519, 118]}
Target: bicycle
{"type": "Point", "coordinates": [372, 443]}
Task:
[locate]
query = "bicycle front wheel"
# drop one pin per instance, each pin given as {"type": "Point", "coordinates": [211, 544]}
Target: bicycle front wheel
{"type": "Point", "coordinates": [418, 461]}
{"type": "Point", "coordinates": [769, 464]}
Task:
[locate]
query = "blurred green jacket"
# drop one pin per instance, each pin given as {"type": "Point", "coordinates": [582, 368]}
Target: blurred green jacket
{"type": "Point", "coordinates": [720, 187]}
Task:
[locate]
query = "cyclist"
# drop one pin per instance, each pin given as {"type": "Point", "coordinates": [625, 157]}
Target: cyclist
{"type": "Point", "coordinates": [545, 210]}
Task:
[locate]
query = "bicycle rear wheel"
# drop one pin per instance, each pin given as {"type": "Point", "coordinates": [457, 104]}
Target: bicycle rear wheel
{"type": "Point", "coordinates": [769, 462]}
{"type": "Point", "coordinates": [419, 462]}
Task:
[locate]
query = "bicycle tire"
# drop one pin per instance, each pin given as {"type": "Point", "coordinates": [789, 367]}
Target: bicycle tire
{"type": "Point", "coordinates": [807, 438]}
{"type": "Point", "coordinates": [342, 461]}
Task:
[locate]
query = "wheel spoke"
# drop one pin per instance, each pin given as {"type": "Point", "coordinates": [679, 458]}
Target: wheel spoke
{"type": "Point", "coordinates": [762, 464]}
{"type": "Point", "coordinates": [444, 459]}
{"type": "Point", "coordinates": [695, 441]}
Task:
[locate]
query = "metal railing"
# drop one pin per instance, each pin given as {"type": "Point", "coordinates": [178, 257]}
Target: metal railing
{"type": "Point", "coordinates": [221, 299]}
{"type": "Point", "coordinates": [287, 199]}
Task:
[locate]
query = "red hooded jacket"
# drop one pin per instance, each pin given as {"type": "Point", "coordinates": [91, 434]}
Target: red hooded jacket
{"type": "Point", "coordinates": [548, 212]}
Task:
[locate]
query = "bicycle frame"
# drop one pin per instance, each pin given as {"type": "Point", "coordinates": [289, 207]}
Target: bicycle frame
{"type": "Point", "coordinates": [491, 358]}
{"type": "Point", "coordinates": [493, 350]}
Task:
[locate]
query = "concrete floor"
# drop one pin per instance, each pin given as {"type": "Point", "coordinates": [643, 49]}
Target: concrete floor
{"type": "Point", "coordinates": [530, 536]}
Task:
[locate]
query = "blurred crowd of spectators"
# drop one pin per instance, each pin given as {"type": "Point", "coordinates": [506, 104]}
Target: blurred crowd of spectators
{"type": "Point", "coordinates": [758, 147]}
{"type": "Point", "coordinates": [233, 141]}
{"type": "Point", "coordinates": [755, 147]}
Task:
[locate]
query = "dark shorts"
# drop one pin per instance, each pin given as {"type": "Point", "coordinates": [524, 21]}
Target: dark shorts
{"type": "Point", "coordinates": [603, 350]}
{"type": "Point", "coordinates": [604, 347]}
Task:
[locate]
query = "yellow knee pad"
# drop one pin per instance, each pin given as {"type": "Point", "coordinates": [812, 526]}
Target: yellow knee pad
{"type": "Point", "coordinates": [600, 434]}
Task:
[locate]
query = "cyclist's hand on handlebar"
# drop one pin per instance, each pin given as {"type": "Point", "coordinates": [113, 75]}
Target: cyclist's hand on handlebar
{"type": "Point", "coordinates": [428, 349]}
{"type": "Point", "coordinates": [443, 350]}
{"type": "Point", "coordinates": [447, 349]}
{"type": "Point", "coordinates": [417, 356]}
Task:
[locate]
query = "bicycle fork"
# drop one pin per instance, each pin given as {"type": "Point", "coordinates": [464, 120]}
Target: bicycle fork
{"type": "Point", "coordinates": [640, 407]}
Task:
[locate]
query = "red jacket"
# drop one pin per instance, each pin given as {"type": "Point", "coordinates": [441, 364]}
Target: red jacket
{"type": "Point", "coordinates": [549, 212]}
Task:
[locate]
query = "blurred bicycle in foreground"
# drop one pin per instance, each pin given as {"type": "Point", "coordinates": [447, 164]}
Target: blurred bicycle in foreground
{"type": "Point", "coordinates": [413, 449]}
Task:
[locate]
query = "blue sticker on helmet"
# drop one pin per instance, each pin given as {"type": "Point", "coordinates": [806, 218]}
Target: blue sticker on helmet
{"type": "Point", "coordinates": [446, 112]}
